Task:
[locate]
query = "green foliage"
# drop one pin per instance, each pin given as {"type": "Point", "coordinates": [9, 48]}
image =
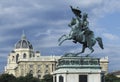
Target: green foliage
{"type": "Point", "coordinates": [27, 78]}
{"type": "Point", "coordinates": [47, 78]}
{"type": "Point", "coordinates": [111, 78]}
{"type": "Point", "coordinates": [21, 79]}
{"type": "Point", "coordinates": [11, 78]}
{"type": "Point", "coordinates": [7, 78]}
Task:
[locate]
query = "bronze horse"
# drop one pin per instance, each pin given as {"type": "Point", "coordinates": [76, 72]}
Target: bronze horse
{"type": "Point", "coordinates": [84, 37]}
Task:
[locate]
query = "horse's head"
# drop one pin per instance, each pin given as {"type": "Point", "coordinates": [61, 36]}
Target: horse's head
{"type": "Point", "coordinates": [73, 22]}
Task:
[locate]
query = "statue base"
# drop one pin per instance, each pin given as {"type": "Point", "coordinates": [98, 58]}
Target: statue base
{"type": "Point", "coordinates": [74, 54]}
{"type": "Point", "coordinates": [78, 69]}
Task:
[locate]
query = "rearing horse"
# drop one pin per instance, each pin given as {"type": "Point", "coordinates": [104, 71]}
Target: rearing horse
{"type": "Point", "coordinates": [86, 38]}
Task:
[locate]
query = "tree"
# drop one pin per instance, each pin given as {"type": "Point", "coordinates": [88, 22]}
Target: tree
{"type": "Point", "coordinates": [21, 79]}
{"type": "Point", "coordinates": [27, 78]}
{"type": "Point", "coordinates": [111, 78]}
{"type": "Point", "coordinates": [7, 78]}
{"type": "Point", "coordinates": [47, 78]}
{"type": "Point", "coordinates": [11, 78]}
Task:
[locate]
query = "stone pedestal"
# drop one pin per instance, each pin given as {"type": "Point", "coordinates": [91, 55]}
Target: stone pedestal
{"type": "Point", "coordinates": [78, 69]}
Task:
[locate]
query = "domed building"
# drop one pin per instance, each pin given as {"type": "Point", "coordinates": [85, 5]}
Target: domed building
{"type": "Point", "coordinates": [23, 60]}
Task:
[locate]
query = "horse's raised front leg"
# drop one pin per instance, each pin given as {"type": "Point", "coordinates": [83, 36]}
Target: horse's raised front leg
{"type": "Point", "coordinates": [64, 40]}
{"type": "Point", "coordinates": [61, 37]}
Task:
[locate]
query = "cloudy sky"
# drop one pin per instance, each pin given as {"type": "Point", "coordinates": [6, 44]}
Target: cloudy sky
{"type": "Point", "coordinates": [44, 21]}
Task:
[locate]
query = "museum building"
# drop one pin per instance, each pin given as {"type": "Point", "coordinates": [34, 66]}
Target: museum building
{"type": "Point", "coordinates": [23, 60]}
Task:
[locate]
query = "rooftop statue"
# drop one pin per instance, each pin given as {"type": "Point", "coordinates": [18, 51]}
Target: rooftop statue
{"type": "Point", "coordinates": [81, 33]}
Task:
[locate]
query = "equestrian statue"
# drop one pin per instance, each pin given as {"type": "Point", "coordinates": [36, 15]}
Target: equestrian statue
{"type": "Point", "coordinates": [80, 33]}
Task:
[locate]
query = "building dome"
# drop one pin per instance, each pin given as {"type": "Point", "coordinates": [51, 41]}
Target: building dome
{"type": "Point", "coordinates": [23, 43]}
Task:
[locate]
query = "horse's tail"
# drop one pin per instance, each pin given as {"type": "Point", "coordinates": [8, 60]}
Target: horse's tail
{"type": "Point", "coordinates": [99, 40]}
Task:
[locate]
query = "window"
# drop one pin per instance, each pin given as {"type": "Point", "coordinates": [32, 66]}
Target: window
{"type": "Point", "coordinates": [39, 71]}
{"type": "Point", "coordinates": [52, 67]}
{"type": "Point", "coordinates": [39, 76]}
{"type": "Point", "coordinates": [17, 56]}
{"type": "Point", "coordinates": [31, 71]}
{"type": "Point", "coordinates": [61, 79]}
{"type": "Point", "coordinates": [24, 56]}
{"type": "Point", "coordinates": [55, 79]}
{"type": "Point", "coordinates": [30, 55]}
{"type": "Point", "coordinates": [24, 44]}
{"type": "Point", "coordinates": [82, 78]}
{"type": "Point", "coordinates": [47, 66]}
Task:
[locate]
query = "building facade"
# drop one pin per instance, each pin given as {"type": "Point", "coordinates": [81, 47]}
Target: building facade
{"type": "Point", "coordinates": [23, 60]}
